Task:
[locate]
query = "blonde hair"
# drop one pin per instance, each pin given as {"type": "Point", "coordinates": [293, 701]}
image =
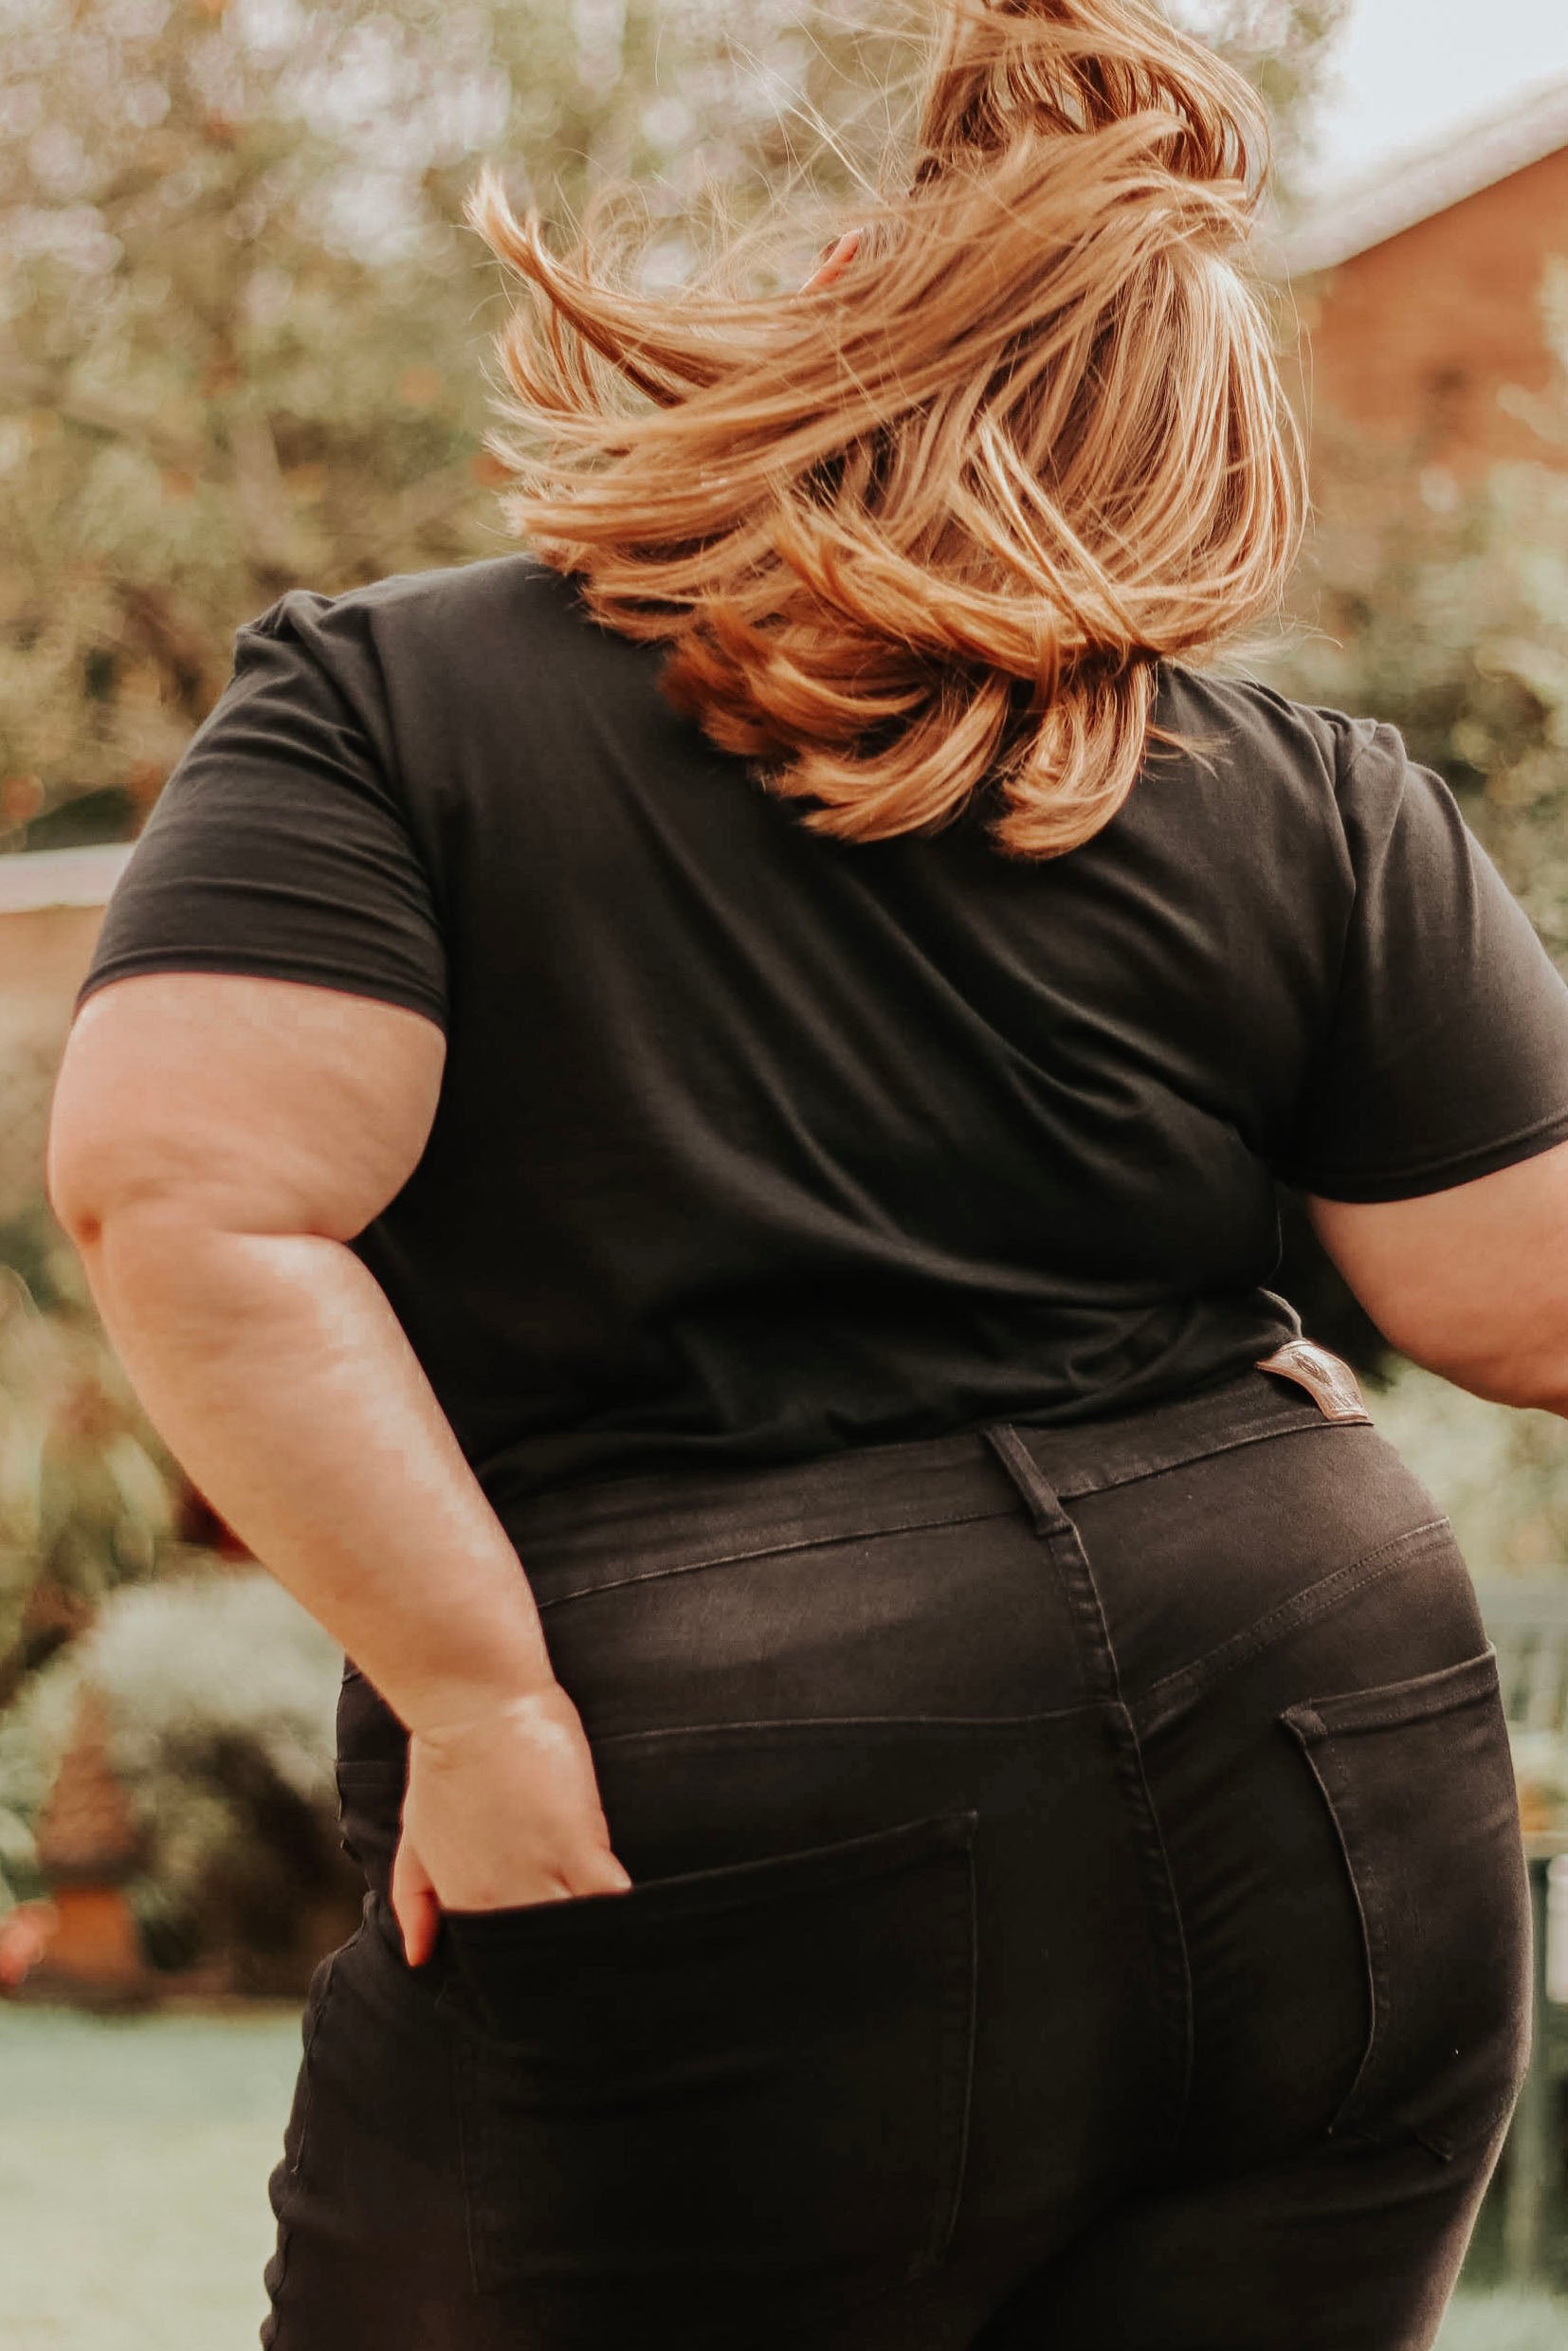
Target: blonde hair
{"type": "Point", "coordinates": [933, 526]}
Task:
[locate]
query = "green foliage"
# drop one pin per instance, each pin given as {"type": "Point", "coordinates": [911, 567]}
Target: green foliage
{"type": "Point", "coordinates": [34, 1730]}
{"type": "Point", "coordinates": [220, 1694]}
{"type": "Point", "coordinates": [1500, 1473]}
{"type": "Point", "coordinates": [88, 1496]}
{"type": "Point", "coordinates": [246, 331]}
{"type": "Point", "coordinates": [219, 1688]}
{"type": "Point", "coordinates": [1444, 610]}
{"type": "Point", "coordinates": [89, 1502]}
{"type": "Point", "coordinates": [1281, 46]}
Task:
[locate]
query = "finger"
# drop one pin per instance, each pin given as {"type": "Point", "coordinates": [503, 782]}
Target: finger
{"type": "Point", "coordinates": [610, 1877]}
{"type": "Point", "coordinates": [415, 1903]}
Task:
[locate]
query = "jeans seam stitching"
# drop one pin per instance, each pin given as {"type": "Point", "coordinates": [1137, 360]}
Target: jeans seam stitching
{"type": "Point", "coordinates": [788, 1727]}
{"type": "Point", "coordinates": [1412, 1703]}
{"type": "Point", "coordinates": [1377, 2019]}
{"type": "Point", "coordinates": [1169, 1934]}
{"type": "Point", "coordinates": [1064, 1546]}
{"type": "Point", "coordinates": [317, 2022]}
{"type": "Point", "coordinates": [1066, 1557]}
{"type": "Point", "coordinates": [967, 2034]}
{"type": "Point", "coordinates": [1156, 1465]}
{"type": "Point", "coordinates": [1319, 1742]}
{"type": "Point", "coordinates": [286, 2220]}
{"type": "Point", "coordinates": [774, 1550]}
{"type": "Point", "coordinates": [1164, 1700]}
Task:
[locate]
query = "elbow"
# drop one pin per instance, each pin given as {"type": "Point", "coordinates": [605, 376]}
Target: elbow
{"type": "Point", "coordinates": [84, 1169]}
{"type": "Point", "coordinates": [73, 1198]}
{"type": "Point", "coordinates": [76, 1152]}
{"type": "Point", "coordinates": [90, 1192]}
{"type": "Point", "coordinates": [1536, 1385]}
{"type": "Point", "coordinates": [95, 1171]}
{"type": "Point", "coordinates": [1530, 1373]}
{"type": "Point", "coordinates": [98, 1216]}
{"type": "Point", "coordinates": [126, 1161]}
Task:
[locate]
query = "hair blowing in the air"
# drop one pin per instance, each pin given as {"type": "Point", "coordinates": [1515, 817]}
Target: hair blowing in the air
{"type": "Point", "coordinates": [932, 524]}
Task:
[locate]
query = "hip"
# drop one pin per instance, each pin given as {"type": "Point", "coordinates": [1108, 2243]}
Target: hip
{"type": "Point", "coordinates": [990, 1575]}
{"type": "Point", "coordinates": [1041, 1808]}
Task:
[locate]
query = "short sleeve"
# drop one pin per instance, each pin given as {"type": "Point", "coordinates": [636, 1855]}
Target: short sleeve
{"type": "Point", "coordinates": [282, 846]}
{"type": "Point", "coordinates": [1444, 1053]}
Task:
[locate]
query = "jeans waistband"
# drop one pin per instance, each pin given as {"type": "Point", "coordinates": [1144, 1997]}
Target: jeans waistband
{"type": "Point", "coordinates": [677, 1517]}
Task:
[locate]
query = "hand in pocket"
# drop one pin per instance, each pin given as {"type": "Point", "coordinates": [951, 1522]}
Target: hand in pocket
{"type": "Point", "coordinates": [500, 1809]}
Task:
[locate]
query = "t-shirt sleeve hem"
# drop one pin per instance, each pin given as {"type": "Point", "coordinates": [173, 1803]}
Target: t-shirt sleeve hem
{"type": "Point", "coordinates": [1415, 1182]}
{"type": "Point", "coordinates": [384, 990]}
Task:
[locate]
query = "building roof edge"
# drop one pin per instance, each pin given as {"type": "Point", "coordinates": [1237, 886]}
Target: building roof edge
{"type": "Point", "coordinates": [1423, 182]}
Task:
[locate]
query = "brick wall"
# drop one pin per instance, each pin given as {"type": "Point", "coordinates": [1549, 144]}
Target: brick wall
{"type": "Point", "coordinates": [1414, 339]}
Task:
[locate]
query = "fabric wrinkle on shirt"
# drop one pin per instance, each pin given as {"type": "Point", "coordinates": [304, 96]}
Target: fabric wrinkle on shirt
{"type": "Point", "coordinates": [753, 1144]}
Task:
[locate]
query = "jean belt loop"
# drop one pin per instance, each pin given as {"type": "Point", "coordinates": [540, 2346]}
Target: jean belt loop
{"type": "Point", "coordinates": [1039, 1496]}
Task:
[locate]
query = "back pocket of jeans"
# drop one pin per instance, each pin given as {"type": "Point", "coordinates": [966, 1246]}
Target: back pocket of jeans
{"type": "Point", "coordinates": [1419, 1780]}
{"type": "Point", "coordinates": [741, 2081]}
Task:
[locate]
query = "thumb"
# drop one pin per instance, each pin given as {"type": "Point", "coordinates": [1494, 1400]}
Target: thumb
{"type": "Point", "coordinates": [415, 1905]}
{"type": "Point", "coordinates": [611, 1876]}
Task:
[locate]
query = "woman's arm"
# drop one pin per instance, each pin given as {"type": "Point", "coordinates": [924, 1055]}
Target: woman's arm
{"type": "Point", "coordinates": [1472, 1281]}
{"type": "Point", "coordinates": [215, 1143]}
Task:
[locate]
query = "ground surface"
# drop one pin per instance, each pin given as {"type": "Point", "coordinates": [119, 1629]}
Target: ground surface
{"type": "Point", "coordinates": [134, 2160]}
{"type": "Point", "coordinates": [133, 2156]}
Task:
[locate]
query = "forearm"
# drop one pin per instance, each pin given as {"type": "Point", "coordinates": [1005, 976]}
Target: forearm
{"type": "Point", "coordinates": [275, 1370]}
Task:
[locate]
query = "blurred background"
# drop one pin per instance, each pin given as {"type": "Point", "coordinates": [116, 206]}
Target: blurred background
{"type": "Point", "coordinates": [245, 347]}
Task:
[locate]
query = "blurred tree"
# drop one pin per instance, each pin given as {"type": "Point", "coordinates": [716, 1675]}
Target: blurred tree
{"type": "Point", "coordinates": [89, 1503]}
{"type": "Point", "coordinates": [219, 1688]}
{"type": "Point", "coordinates": [217, 1692]}
{"type": "Point", "coordinates": [90, 1499]}
{"type": "Point", "coordinates": [1444, 611]}
{"type": "Point", "coordinates": [1451, 621]}
{"type": "Point", "coordinates": [1501, 1474]}
{"type": "Point", "coordinates": [246, 333]}
{"type": "Point", "coordinates": [220, 1692]}
{"type": "Point", "coordinates": [1284, 47]}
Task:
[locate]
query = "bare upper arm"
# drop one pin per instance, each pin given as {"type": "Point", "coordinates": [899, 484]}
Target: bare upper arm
{"type": "Point", "coordinates": [257, 1104]}
{"type": "Point", "coordinates": [1472, 1282]}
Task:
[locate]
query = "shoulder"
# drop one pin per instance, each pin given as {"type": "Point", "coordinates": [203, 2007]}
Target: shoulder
{"type": "Point", "coordinates": [1328, 768]}
{"type": "Point", "coordinates": [1234, 719]}
{"type": "Point", "coordinates": [465, 604]}
{"type": "Point", "coordinates": [413, 661]}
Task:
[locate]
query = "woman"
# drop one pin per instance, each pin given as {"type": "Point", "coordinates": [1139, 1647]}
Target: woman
{"type": "Point", "coordinates": [741, 1057]}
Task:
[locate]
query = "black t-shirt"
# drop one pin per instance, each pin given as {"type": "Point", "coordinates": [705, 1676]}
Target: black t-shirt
{"type": "Point", "coordinates": [752, 1144]}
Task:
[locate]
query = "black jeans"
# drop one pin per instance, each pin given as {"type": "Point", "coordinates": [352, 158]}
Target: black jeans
{"type": "Point", "coordinates": [1078, 1902]}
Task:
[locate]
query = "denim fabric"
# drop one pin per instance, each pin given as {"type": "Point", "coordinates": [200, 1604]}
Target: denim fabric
{"type": "Point", "coordinates": [1078, 1902]}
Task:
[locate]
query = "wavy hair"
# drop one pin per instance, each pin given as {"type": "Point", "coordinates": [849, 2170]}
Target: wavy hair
{"type": "Point", "coordinates": [931, 526]}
